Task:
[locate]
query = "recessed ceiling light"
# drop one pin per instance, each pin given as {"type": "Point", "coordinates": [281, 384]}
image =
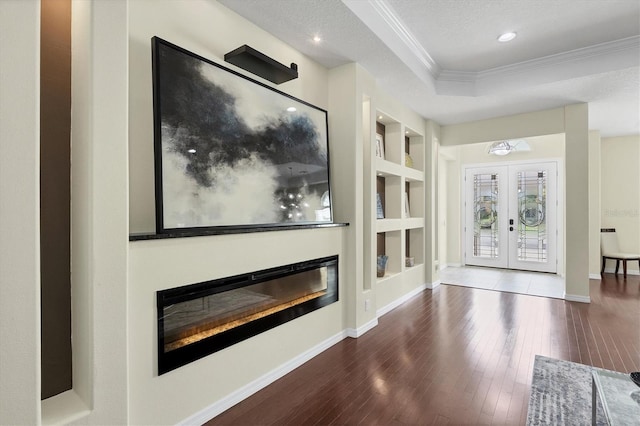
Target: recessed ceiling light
{"type": "Point", "coordinates": [317, 39]}
{"type": "Point", "coordinates": [380, 117]}
{"type": "Point", "coordinates": [191, 151]}
{"type": "Point", "coordinates": [503, 38]}
{"type": "Point", "coordinates": [291, 109]}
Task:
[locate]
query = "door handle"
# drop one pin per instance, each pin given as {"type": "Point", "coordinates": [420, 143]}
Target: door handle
{"type": "Point", "coordinates": [511, 228]}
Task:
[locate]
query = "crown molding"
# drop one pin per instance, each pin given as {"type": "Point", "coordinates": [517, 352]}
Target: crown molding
{"type": "Point", "coordinates": [383, 21]}
{"type": "Point", "coordinates": [602, 51]}
{"type": "Point", "coordinates": [600, 58]}
{"type": "Point", "coordinates": [402, 32]}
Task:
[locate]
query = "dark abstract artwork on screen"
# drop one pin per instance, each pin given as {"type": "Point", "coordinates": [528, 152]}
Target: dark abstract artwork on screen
{"type": "Point", "coordinates": [232, 153]}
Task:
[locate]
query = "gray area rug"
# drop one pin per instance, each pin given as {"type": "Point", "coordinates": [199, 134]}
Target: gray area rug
{"type": "Point", "coordinates": [561, 394]}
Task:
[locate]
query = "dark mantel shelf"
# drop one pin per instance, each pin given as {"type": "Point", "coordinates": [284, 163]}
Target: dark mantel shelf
{"type": "Point", "coordinates": [227, 231]}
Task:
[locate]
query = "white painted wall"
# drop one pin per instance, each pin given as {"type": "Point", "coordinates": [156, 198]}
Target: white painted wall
{"type": "Point", "coordinates": [19, 212]}
{"type": "Point", "coordinates": [210, 30]}
{"type": "Point", "coordinates": [620, 193]}
{"type": "Point", "coordinates": [160, 264]}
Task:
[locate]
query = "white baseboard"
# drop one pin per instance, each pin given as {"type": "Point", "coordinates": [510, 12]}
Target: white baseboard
{"type": "Point", "coordinates": [357, 332]}
{"type": "Point", "coordinates": [246, 391]}
{"type": "Point", "coordinates": [577, 298]}
{"type": "Point", "coordinates": [594, 276]}
{"type": "Point", "coordinates": [432, 285]}
{"type": "Point", "coordinates": [380, 312]}
{"type": "Point", "coordinates": [454, 265]}
{"type": "Point", "coordinates": [613, 271]}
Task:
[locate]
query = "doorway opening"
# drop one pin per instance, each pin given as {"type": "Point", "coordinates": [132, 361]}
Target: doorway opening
{"type": "Point", "coordinates": [510, 216]}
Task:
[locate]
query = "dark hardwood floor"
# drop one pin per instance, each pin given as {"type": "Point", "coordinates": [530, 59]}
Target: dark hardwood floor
{"type": "Point", "coordinates": [453, 356]}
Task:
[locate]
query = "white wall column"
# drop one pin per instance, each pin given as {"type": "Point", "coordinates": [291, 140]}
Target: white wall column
{"type": "Point", "coordinates": [20, 211]}
{"type": "Point", "coordinates": [100, 229]}
{"type": "Point", "coordinates": [432, 145]}
{"type": "Point", "coordinates": [344, 111]}
{"type": "Point", "coordinates": [576, 125]}
{"type": "Point", "coordinates": [594, 204]}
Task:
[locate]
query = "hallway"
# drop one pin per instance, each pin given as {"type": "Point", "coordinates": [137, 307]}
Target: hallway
{"type": "Point", "coordinates": [522, 282]}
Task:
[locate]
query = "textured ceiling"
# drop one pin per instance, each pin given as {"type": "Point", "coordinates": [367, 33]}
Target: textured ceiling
{"type": "Point", "coordinates": [459, 36]}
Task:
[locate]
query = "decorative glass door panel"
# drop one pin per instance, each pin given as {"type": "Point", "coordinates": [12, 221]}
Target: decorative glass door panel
{"type": "Point", "coordinates": [510, 216]}
{"type": "Point", "coordinates": [486, 236]}
{"type": "Point", "coordinates": [532, 207]}
{"type": "Point", "coordinates": [485, 229]}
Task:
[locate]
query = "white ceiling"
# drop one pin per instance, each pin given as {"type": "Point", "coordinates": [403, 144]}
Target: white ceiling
{"type": "Point", "coordinates": [442, 59]}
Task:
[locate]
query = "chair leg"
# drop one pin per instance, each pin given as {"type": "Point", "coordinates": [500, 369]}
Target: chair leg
{"type": "Point", "coordinates": [624, 267]}
{"type": "Point", "coordinates": [604, 260]}
{"type": "Point", "coordinates": [617, 265]}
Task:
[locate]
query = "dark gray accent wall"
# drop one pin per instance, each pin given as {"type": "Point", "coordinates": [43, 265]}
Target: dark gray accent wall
{"type": "Point", "coordinates": [55, 195]}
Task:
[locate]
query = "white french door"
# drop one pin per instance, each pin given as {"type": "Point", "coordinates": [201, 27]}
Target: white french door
{"type": "Point", "coordinates": [510, 216]}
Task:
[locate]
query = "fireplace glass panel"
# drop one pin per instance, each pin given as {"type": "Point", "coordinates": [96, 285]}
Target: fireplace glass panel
{"type": "Point", "coordinates": [199, 319]}
{"type": "Point", "coordinates": [196, 319]}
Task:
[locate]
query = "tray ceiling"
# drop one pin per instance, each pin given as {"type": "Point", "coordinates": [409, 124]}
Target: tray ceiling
{"type": "Point", "coordinates": [442, 58]}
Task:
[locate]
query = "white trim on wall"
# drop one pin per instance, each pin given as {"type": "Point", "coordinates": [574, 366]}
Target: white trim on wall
{"type": "Point", "coordinates": [261, 382]}
{"type": "Point", "coordinates": [265, 380]}
{"type": "Point", "coordinates": [357, 332]}
{"type": "Point", "coordinates": [576, 298]}
{"type": "Point", "coordinates": [399, 301]}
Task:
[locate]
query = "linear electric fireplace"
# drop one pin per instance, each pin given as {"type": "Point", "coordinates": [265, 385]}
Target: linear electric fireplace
{"type": "Point", "coordinates": [199, 319]}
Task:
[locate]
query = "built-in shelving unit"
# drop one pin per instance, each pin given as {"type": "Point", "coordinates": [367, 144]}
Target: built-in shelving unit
{"type": "Point", "coordinates": [397, 176]}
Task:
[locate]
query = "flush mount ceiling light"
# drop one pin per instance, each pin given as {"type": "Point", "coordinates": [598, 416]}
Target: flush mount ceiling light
{"type": "Point", "coordinates": [508, 146]}
{"type": "Point", "coordinates": [317, 39]}
{"type": "Point", "coordinates": [503, 38]}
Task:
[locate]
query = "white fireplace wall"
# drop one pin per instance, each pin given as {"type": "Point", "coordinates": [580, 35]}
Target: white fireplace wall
{"type": "Point", "coordinates": [162, 264]}
{"type": "Point", "coordinates": [210, 30]}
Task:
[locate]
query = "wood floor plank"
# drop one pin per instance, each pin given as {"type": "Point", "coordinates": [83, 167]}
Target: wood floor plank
{"type": "Point", "coordinates": [454, 355]}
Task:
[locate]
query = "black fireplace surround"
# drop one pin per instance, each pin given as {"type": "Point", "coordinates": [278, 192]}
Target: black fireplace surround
{"type": "Point", "coordinates": [199, 319]}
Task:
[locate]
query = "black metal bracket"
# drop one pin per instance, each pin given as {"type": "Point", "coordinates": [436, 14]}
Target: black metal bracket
{"type": "Point", "coordinates": [261, 65]}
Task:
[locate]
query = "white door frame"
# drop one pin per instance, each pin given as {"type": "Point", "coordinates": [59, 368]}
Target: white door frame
{"type": "Point", "coordinates": [560, 210]}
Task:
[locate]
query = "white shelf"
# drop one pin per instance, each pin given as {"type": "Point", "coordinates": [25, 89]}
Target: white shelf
{"type": "Point", "coordinates": [387, 168]}
{"type": "Point", "coordinates": [413, 223]}
{"type": "Point", "coordinates": [398, 236]}
{"type": "Point", "coordinates": [413, 175]}
{"type": "Point", "coordinates": [388, 225]}
{"type": "Point", "coordinates": [387, 277]}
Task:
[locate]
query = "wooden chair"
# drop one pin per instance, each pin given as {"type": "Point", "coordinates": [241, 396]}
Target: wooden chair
{"type": "Point", "coordinates": [610, 250]}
